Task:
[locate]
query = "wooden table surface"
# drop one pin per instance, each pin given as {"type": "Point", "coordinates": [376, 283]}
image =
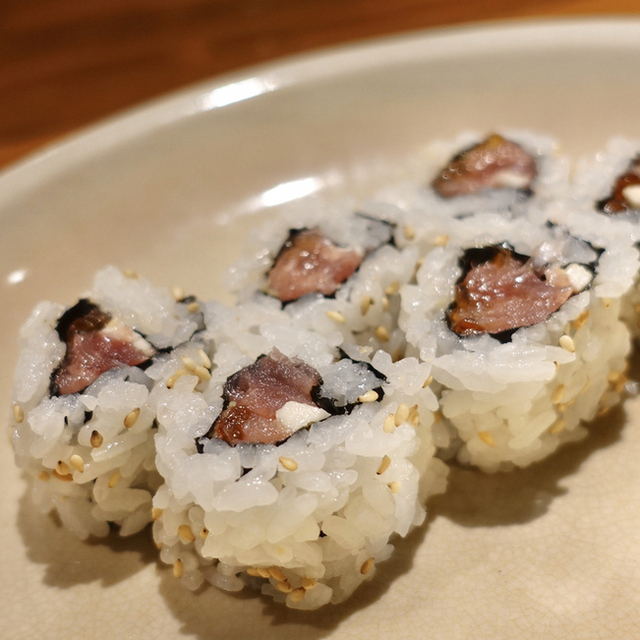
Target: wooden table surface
{"type": "Point", "coordinates": [66, 63]}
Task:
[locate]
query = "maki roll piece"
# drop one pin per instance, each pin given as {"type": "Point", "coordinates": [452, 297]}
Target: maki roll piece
{"type": "Point", "coordinates": [603, 207]}
{"type": "Point", "coordinates": [292, 469]}
{"type": "Point", "coordinates": [331, 270]}
{"type": "Point", "coordinates": [502, 173]}
{"type": "Point", "coordinates": [525, 347]}
{"type": "Point", "coordinates": [81, 424]}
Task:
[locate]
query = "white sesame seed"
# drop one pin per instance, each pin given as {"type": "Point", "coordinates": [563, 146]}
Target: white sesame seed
{"type": "Point", "coordinates": [186, 533]}
{"type": "Point", "coordinates": [113, 480]}
{"type": "Point", "coordinates": [369, 396]}
{"type": "Point", "coordinates": [155, 513]}
{"type": "Point", "coordinates": [177, 568]}
{"type": "Point", "coordinates": [288, 463]}
{"type": "Point", "coordinates": [336, 316]}
{"type": "Point", "coordinates": [381, 333]}
{"type": "Point", "coordinates": [189, 364]}
{"type": "Point", "coordinates": [365, 303]}
{"type": "Point", "coordinates": [558, 394]}
{"type": "Point", "coordinates": [178, 293]}
{"type": "Point", "coordinates": [409, 232]}
{"type": "Point", "coordinates": [276, 572]}
{"type": "Point", "coordinates": [487, 438]}
{"type": "Point", "coordinates": [77, 462]}
{"type": "Point", "coordinates": [96, 439]}
{"type": "Point", "coordinates": [307, 583]}
{"type": "Point", "coordinates": [395, 486]}
{"type": "Point", "coordinates": [131, 418]}
{"type": "Point", "coordinates": [566, 342]}
{"type": "Point", "coordinates": [384, 465]}
{"type": "Point", "coordinates": [367, 565]}
{"type": "Point", "coordinates": [393, 288]}
{"type": "Point", "coordinates": [402, 413]}
{"type": "Point", "coordinates": [389, 423]}
{"type": "Point", "coordinates": [206, 361]}
{"type": "Point", "coordinates": [18, 413]}
{"type": "Point", "coordinates": [297, 594]}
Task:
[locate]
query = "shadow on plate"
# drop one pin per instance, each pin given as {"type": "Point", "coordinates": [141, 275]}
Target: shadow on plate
{"type": "Point", "coordinates": [70, 561]}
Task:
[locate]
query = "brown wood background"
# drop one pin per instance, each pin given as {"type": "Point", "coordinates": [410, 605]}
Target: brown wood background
{"type": "Point", "coordinates": [66, 63]}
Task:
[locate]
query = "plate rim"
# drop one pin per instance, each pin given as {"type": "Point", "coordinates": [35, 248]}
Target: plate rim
{"type": "Point", "coordinates": [126, 125]}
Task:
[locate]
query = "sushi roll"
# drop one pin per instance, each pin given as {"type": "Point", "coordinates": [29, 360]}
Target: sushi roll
{"type": "Point", "coordinates": [525, 340]}
{"type": "Point", "coordinates": [297, 464]}
{"type": "Point", "coordinates": [332, 270]}
{"type": "Point", "coordinates": [501, 172]}
{"type": "Point", "coordinates": [603, 207]}
{"type": "Point", "coordinates": [81, 424]}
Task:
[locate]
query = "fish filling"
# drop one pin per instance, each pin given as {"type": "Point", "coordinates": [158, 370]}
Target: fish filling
{"type": "Point", "coordinates": [310, 263]}
{"type": "Point", "coordinates": [625, 196]}
{"type": "Point", "coordinates": [96, 343]}
{"type": "Point", "coordinates": [501, 291]}
{"type": "Point", "coordinates": [494, 163]}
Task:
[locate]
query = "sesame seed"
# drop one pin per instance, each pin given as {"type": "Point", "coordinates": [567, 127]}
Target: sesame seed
{"type": "Point", "coordinates": [427, 382]}
{"type": "Point", "coordinates": [297, 594]}
{"type": "Point", "coordinates": [155, 513]}
{"type": "Point", "coordinates": [276, 573]}
{"type": "Point", "coordinates": [369, 396]}
{"type": "Point", "coordinates": [409, 232]}
{"type": "Point", "coordinates": [193, 307]}
{"type": "Point", "coordinates": [177, 568]}
{"type": "Point", "coordinates": [581, 320]}
{"type": "Point", "coordinates": [385, 303]}
{"type": "Point", "coordinates": [307, 583]}
{"type": "Point", "coordinates": [566, 342]}
{"type": "Point", "coordinates": [602, 411]}
{"type": "Point", "coordinates": [487, 438]}
{"type": "Point", "coordinates": [336, 316]}
{"type": "Point", "coordinates": [557, 426]}
{"type": "Point", "coordinates": [159, 545]}
{"type": "Point", "coordinates": [414, 416]}
{"type": "Point", "coordinates": [614, 376]}
{"type": "Point", "coordinates": [128, 273]}
{"type": "Point", "coordinates": [204, 533]}
{"type": "Point", "coordinates": [558, 394]}
{"type": "Point", "coordinates": [288, 463]}
{"type": "Point", "coordinates": [113, 480]}
{"type": "Point", "coordinates": [175, 377]}
{"type": "Point", "coordinates": [395, 486]}
{"type": "Point", "coordinates": [365, 303]}
{"type": "Point", "coordinates": [402, 414]}
{"type": "Point", "coordinates": [621, 384]}
{"type": "Point", "coordinates": [185, 532]}
{"type": "Point", "coordinates": [189, 364]}
{"type": "Point", "coordinates": [263, 572]}
{"type": "Point", "coordinates": [381, 333]}
{"type": "Point", "coordinates": [367, 565]}
{"type": "Point", "coordinates": [384, 465]}
{"type": "Point", "coordinates": [18, 413]}
{"type": "Point", "coordinates": [206, 361]}
{"type": "Point", "coordinates": [441, 241]}
{"type": "Point", "coordinates": [44, 476]}
{"type": "Point", "coordinates": [389, 423]}
{"type": "Point", "coordinates": [178, 293]}
{"type": "Point", "coordinates": [96, 439]}
{"type": "Point", "coordinates": [284, 586]}
{"type": "Point", "coordinates": [131, 418]}
{"type": "Point", "coordinates": [203, 374]}
{"type": "Point", "coordinates": [607, 302]}
{"type": "Point", "coordinates": [63, 468]}
{"type": "Point", "coordinates": [252, 571]}
{"type": "Point", "coordinates": [66, 478]}
{"type": "Point", "coordinates": [437, 416]}
{"type": "Point", "coordinates": [77, 462]}
{"type": "Point", "coordinates": [393, 288]}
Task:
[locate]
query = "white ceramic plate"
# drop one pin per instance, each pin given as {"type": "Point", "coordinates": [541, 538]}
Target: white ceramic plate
{"type": "Point", "coordinates": [169, 189]}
